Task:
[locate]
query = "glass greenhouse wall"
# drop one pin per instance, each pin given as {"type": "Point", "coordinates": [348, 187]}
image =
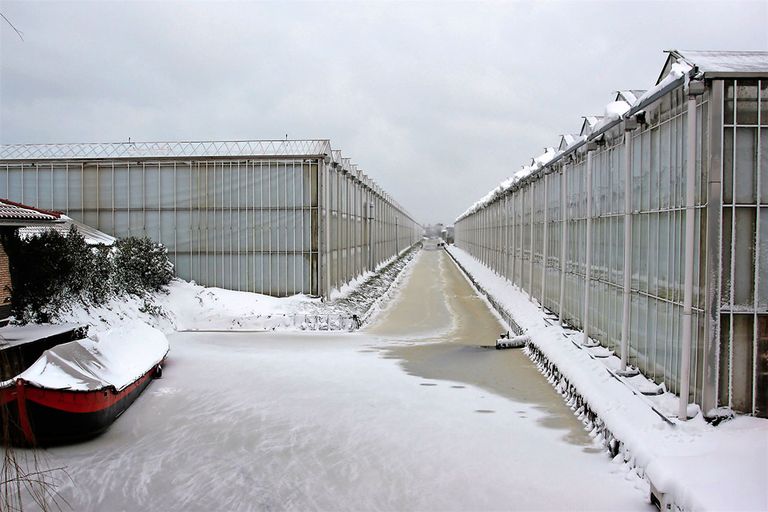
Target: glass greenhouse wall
{"type": "Point", "coordinates": [273, 217]}
{"type": "Point", "coordinates": [559, 233]}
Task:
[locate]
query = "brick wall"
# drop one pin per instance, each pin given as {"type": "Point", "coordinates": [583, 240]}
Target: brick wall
{"type": "Point", "coordinates": [5, 283]}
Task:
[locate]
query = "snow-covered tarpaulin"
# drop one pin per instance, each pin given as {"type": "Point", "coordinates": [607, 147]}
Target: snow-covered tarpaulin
{"type": "Point", "coordinates": [111, 359]}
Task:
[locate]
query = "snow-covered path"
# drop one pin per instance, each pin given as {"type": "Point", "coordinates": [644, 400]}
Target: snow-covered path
{"type": "Point", "coordinates": [245, 421]}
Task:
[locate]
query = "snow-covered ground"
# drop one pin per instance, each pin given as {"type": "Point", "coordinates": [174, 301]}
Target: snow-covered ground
{"type": "Point", "coordinates": [411, 413]}
{"type": "Point", "coordinates": [186, 306]}
{"type": "Point", "coordinates": [697, 466]}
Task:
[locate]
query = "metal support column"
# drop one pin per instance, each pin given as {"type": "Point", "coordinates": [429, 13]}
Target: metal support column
{"type": "Point", "coordinates": [544, 241]}
{"type": "Point", "coordinates": [588, 256]}
{"type": "Point", "coordinates": [563, 238]}
{"type": "Point", "coordinates": [690, 224]}
{"type": "Point", "coordinates": [626, 310]}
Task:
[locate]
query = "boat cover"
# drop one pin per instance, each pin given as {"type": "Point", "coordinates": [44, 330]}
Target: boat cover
{"type": "Point", "coordinates": [114, 358]}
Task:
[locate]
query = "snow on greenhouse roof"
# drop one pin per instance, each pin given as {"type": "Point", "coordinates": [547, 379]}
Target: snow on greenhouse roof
{"type": "Point", "coordinates": [86, 151]}
{"type": "Point", "coordinates": [718, 63]}
{"type": "Point", "coordinates": [613, 111]}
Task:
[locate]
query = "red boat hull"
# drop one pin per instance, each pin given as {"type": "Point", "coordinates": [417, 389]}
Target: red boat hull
{"type": "Point", "coordinates": [46, 417]}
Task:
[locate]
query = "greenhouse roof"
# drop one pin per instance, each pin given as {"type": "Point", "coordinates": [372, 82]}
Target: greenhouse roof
{"type": "Point", "coordinates": [720, 63]}
{"type": "Point", "coordinates": [630, 95]}
{"type": "Point", "coordinates": [239, 148]}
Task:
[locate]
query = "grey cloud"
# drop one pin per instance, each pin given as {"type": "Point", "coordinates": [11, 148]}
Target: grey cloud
{"type": "Point", "coordinates": [437, 101]}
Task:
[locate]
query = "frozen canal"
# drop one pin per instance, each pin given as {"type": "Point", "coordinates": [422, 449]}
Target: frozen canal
{"type": "Point", "coordinates": [410, 414]}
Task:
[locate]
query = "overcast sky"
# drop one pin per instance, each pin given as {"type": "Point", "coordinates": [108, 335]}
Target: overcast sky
{"type": "Point", "coordinates": [438, 102]}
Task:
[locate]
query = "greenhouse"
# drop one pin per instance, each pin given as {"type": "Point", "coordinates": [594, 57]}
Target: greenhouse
{"type": "Point", "coordinates": [648, 230]}
{"type": "Point", "coordinates": [274, 217]}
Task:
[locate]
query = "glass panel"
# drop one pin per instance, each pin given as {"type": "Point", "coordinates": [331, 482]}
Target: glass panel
{"type": "Point", "coordinates": [13, 190]}
{"type": "Point", "coordinates": [653, 253]}
{"type": "Point", "coordinates": [664, 163]}
{"type": "Point", "coordinates": [136, 189]}
{"type": "Point", "coordinates": [761, 388]}
{"type": "Point", "coordinates": [728, 165]}
{"type": "Point", "coordinates": [746, 166]}
{"type": "Point", "coordinates": [764, 103]}
{"type": "Point", "coordinates": [762, 270]}
{"type": "Point", "coordinates": [183, 185]}
{"type": "Point", "coordinates": [645, 172]}
{"type": "Point", "coordinates": [151, 185]}
{"type": "Point", "coordinates": [744, 253]}
{"type": "Point", "coordinates": [637, 153]}
{"type": "Point", "coordinates": [664, 255]}
{"type": "Point", "coordinates": [121, 188]}
{"type": "Point", "coordinates": [742, 363]}
{"type": "Point", "coordinates": [728, 110]}
{"type": "Point", "coordinates": [644, 244]}
{"type": "Point", "coordinates": [725, 357]}
{"type": "Point", "coordinates": [764, 165]}
{"type": "Point", "coordinates": [725, 286]}
{"type": "Point", "coordinates": [29, 184]}
{"type": "Point", "coordinates": [654, 169]}
{"type": "Point", "coordinates": [60, 188]}
{"type": "Point", "coordinates": [90, 187]}
{"type": "Point", "coordinates": [746, 102]}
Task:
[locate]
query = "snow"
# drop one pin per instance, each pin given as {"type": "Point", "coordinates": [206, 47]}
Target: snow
{"type": "Point", "coordinates": [194, 307]}
{"type": "Point", "coordinates": [12, 335]}
{"type": "Point", "coordinates": [186, 306]}
{"type": "Point", "coordinates": [727, 61]}
{"type": "Point", "coordinates": [114, 358]}
{"type": "Point", "coordinates": [331, 421]}
{"type": "Point", "coordinates": [616, 109]}
{"type": "Point", "coordinates": [677, 70]}
{"type": "Point", "coordinates": [613, 112]}
{"type": "Point", "coordinates": [697, 466]}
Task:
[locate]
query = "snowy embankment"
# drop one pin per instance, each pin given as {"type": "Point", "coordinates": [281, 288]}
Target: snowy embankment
{"type": "Point", "coordinates": [690, 464]}
{"type": "Point", "coordinates": [186, 306]}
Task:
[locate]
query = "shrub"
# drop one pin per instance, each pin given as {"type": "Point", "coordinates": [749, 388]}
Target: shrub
{"type": "Point", "coordinates": [51, 271]}
{"type": "Point", "coordinates": [46, 271]}
{"type": "Point", "coordinates": [141, 265]}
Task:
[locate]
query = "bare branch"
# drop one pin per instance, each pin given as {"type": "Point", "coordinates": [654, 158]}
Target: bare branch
{"type": "Point", "coordinates": [18, 32]}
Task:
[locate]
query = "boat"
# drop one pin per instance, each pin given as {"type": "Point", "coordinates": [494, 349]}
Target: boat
{"type": "Point", "coordinates": [22, 345]}
{"type": "Point", "coordinates": [76, 390]}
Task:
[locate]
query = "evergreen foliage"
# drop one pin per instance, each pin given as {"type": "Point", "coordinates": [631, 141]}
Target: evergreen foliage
{"type": "Point", "coordinates": [50, 271]}
{"type": "Point", "coordinates": [141, 266]}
